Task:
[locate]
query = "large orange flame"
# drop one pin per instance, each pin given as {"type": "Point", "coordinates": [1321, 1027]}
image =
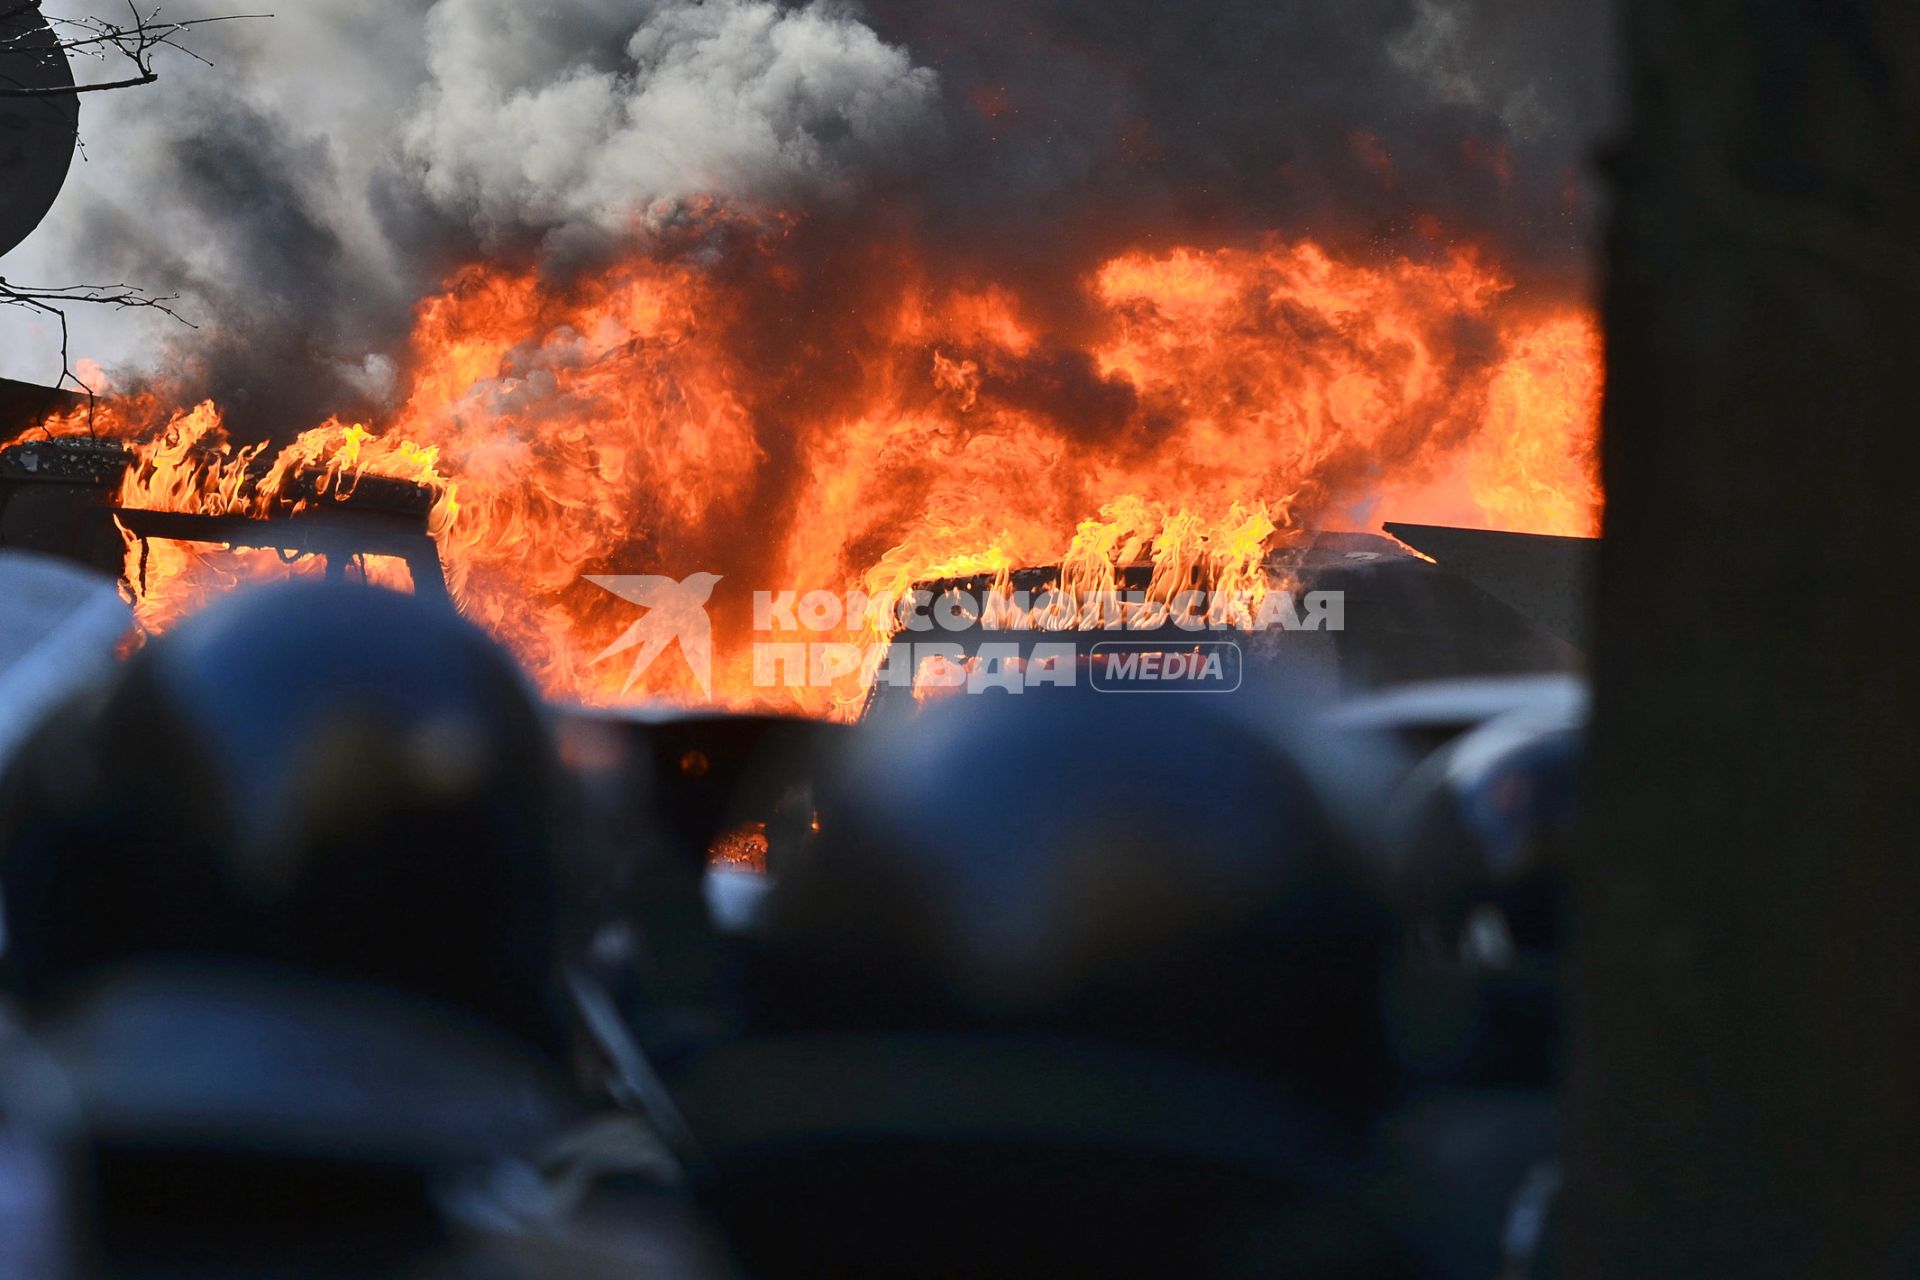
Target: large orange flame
{"type": "Point", "coordinates": [1201, 402]}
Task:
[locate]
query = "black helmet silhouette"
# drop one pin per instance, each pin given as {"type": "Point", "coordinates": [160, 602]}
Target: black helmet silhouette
{"type": "Point", "coordinates": [339, 780]}
{"type": "Point", "coordinates": [1152, 870]}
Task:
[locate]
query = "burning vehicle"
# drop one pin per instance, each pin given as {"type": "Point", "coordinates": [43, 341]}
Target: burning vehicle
{"type": "Point", "coordinates": [620, 423]}
{"type": "Point", "coordinates": [61, 495]}
{"type": "Point", "coordinates": [140, 512]}
{"type": "Point", "coordinates": [1377, 614]}
{"type": "Point", "coordinates": [796, 350]}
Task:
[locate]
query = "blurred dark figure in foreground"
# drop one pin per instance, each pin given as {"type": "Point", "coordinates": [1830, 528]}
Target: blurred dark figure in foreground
{"type": "Point", "coordinates": [338, 781]}
{"type": "Point", "coordinates": [1128, 986]}
{"type": "Point", "coordinates": [1479, 836]}
{"type": "Point", "coordinates": [283, 903]}
{"type": "Point", "coordinates": [1067, 985]}
{"type": "Point", "coordinates": [334, 965]}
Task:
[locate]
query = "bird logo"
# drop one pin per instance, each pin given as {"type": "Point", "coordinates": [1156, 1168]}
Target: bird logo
{"type": "Point", "coordinates": [674, 611]}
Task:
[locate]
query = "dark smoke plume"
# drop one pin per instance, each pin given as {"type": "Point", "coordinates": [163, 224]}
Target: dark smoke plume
{"type": "Point", "coordinates": [343, 157]}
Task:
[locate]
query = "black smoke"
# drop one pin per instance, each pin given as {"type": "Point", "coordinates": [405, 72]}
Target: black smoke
{"type": "Point", "coordinates": [337, 161]}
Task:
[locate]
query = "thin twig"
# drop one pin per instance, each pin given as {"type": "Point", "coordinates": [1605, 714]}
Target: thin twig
{"type": "Point", "coordinates": [98, 38]}
{"type": "Point", "coordinates": [49, 301]}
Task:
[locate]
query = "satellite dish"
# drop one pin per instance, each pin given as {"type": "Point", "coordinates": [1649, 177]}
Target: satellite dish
{"type": "Point", "coordinates": [38, 132]}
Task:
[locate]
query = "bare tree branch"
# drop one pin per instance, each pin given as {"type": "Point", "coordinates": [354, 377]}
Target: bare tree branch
{"type": "Point", "coordinates": [61, 91]}
{"type": "Point", "coordinates": [98, 38]}
{"type": "Point", "coordinates": [94, 37]}
{"type": "Point", "coordinates": [52, 299]}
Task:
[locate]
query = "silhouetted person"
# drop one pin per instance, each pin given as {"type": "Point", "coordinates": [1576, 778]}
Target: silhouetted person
{"type": "Point", "coordinates": [1077, 984]}
{"type": "Point", "coordinates": [1469, 1162]}
{"type": "Point", "coordinates": [283, 904]}
{"type": "Point", "coordinates": [345, 781]}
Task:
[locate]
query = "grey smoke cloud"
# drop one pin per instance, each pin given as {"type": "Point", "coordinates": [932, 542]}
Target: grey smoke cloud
{"type": "Point", "coordinates": [305, 191]}
{"type": "Point", "coordinates": [242, 187]}
{"type": "Point", "coordinates": [519, 131]}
